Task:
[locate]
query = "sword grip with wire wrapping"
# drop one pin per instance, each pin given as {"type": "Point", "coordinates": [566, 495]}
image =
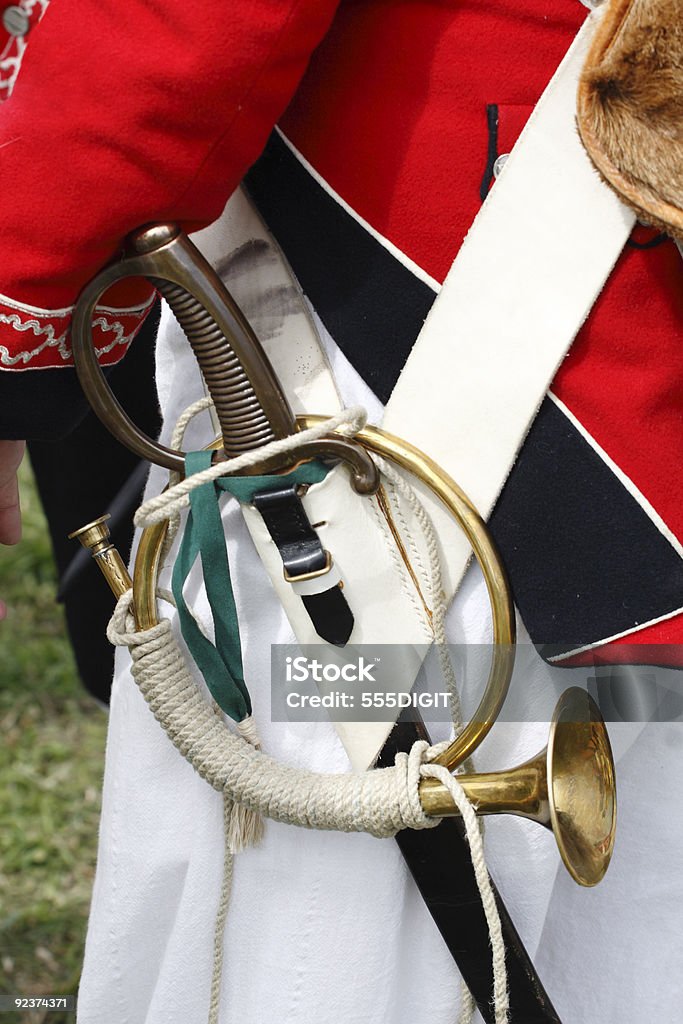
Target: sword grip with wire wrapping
{"type": "Point", "coordinates": [244, 424]}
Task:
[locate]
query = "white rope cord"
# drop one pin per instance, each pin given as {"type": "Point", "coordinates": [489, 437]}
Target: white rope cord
{"type": "Point", "coordinates": [435, 581]}
{"type": "Point", "coordinates": [185, 417]}
{"type": "Point", "coordinates": [468, 1006]}
{"type": "Point", "coordinates": [175, 499]}
{"type": "Point", "coordinates": [174, 477]}
{"type": "Point", "coordinates": [474, 838]}
{"type": "Point", "coordinates": [222, 913]}
{"type": "Point", "coordinates": [439, 609]}
{"type": "Point", "coordinates": [380, 802]}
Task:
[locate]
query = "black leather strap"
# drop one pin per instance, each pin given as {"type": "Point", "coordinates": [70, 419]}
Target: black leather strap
{"type": "Point", "coordinates": [285, 517]}
{"type": "Point", "coordinates": [440, 862]}
{"type": "Point", "coordinates": [303, 556]}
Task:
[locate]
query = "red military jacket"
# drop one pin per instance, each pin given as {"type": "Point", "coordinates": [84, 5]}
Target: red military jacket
{"type": "Point", "coordinates": [128, 112]}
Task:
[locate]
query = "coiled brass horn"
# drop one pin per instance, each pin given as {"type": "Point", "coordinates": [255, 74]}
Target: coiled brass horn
{"type": "Point", "coordinates": [247, 394]}
{"type": "Point", "coordinates": [569, 787]}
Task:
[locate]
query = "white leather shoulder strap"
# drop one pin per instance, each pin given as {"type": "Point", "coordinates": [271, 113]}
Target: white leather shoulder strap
{"type": "Point", "coordinates": [520, 288]}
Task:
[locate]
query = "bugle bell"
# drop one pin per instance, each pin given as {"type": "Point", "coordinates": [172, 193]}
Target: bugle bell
{"type": "Point", "coordinates": [569, 787]}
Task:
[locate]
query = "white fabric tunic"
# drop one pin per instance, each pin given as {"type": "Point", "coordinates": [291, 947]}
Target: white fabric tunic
{"type": "Point", "coordinates": [330, 927]}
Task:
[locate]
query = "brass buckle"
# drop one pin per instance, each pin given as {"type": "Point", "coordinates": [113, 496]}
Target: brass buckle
{"type": "Point", "coordinates": [309, 575]}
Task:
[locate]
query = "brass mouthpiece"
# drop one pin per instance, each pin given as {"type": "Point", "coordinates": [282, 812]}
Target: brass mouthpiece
{"type": "Point", "coordinates": [569, 787]}
{"type": "Point", "coordinates": [95, 538]}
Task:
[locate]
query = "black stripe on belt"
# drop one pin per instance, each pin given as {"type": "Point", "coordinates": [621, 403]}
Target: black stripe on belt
{"type": "Point", "coordinates": [304, 558]}
{"type": "Point", "coordinates": [440, 862]}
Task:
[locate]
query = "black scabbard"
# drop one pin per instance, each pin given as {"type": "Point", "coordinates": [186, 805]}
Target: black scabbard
{"type": "Point", "coordinates": [440, 862]}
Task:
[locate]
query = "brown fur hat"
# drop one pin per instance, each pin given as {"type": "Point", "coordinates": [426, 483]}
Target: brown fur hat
{"type": "Point", "coordinates": [630, 107]}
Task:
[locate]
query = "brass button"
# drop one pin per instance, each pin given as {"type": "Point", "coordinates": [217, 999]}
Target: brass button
{"type": "Point", "coordinates": [500, 164]}
{"type": "Point", "coordinates": [15, 20]}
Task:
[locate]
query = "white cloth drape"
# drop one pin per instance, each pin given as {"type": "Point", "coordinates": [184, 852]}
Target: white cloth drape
{"type": "Point", "coordinates": [329, 927]}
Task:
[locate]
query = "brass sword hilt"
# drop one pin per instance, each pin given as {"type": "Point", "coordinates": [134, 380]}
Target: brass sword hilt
{"type": "Point", "coordinates": [250, 405]}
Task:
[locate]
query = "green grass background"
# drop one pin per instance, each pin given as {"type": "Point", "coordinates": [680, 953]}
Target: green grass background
{"type": "Point", "coordinates": [51, 760]}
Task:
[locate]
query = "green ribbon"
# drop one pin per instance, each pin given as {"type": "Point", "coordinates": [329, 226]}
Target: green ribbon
{"type": "Point", "coordinates": [221, 666]}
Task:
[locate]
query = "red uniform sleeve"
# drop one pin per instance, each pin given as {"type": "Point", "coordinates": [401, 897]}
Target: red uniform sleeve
{"type": "Point", "coordinates": [121, 113]}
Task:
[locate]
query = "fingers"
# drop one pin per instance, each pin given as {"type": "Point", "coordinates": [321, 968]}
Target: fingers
{"type": "Point", "coordinates": [11, 454]}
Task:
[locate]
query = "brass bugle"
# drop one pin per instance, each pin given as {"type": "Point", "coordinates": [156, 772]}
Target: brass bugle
{"type": "Point", "coordinates": [569, 787]}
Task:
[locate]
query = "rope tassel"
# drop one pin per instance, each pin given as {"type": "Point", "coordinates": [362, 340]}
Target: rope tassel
{"type": "Point", "coordinates": [245, 827]}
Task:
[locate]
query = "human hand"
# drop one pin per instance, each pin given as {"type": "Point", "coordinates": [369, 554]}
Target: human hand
{"type": "Point", "coordinates": [11, 454]}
